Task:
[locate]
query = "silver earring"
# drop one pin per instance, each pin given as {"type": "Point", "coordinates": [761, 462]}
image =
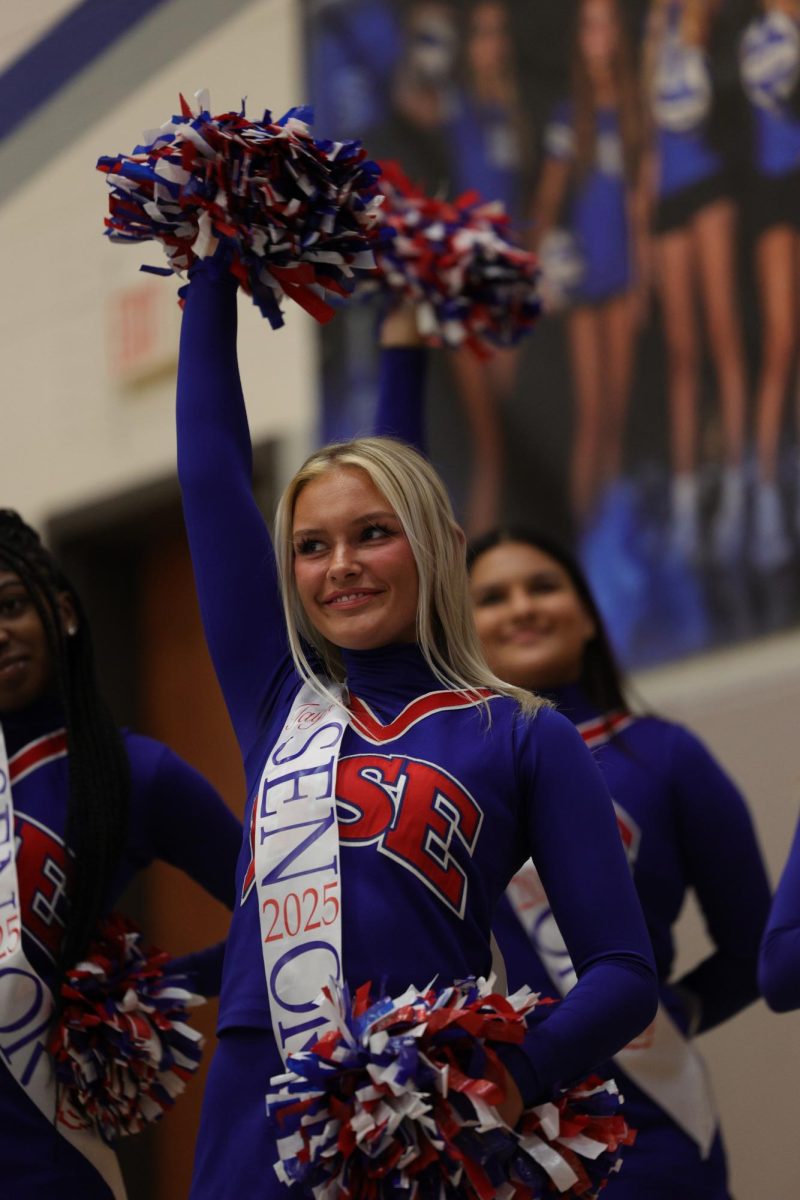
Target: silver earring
{"type": "Point", "coordinates": [72, 630]}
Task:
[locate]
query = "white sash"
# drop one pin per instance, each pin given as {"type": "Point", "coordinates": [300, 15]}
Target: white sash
{"type": "Point", "coordinates": [661, 1061]}
{"type": "Point", "coordinates": [297, 868]}
{"type": "Point", "coordinates": [26, 1007]}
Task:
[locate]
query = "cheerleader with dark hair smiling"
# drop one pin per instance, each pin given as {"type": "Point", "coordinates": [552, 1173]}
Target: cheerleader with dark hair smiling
{"type": "Point", "coordinates": [87, 806]}
{"type": "Point", "coordinates": [591, 170]}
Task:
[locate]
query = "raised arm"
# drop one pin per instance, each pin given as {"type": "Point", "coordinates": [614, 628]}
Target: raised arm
{"type": "Point", "coordinates": [779, 964]}
{"type": "Point", "coordinates": [574, 842]}
{"type": "Point", "coordinates": [727, 873]}
{"type": "Point", "coordinates": [232, 553]}
{"type": "Point", "coordinates": [401, 388]}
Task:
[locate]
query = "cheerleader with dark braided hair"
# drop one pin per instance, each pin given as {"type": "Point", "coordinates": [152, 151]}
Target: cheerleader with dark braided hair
{"type": "Point", "coordinates": [87, 806]}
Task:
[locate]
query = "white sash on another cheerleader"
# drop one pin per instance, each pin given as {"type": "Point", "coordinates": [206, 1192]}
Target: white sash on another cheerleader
{"type": "Point", "coordinates": [297, 867]}
{"type": "Point", "coordinates": [26, 1006]}
{"type": "Point", "coordinates": [661, 1061]}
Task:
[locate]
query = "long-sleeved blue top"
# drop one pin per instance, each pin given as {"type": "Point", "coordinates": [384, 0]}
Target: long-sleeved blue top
{"type": "Point", "coordinates": [515, 787]}
{"type": "Point", "coordinates": [779, 964]}
{"type": "Point", "coordinates": [677, 798]}
{"type": "Point", "coordinates": [685, 826]}
{"type": "Point", "coordinates": [176, 816]}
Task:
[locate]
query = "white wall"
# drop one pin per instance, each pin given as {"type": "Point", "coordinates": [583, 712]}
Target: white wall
{"type": "Point", "coordinates": [70, 432]}
{"type": "Point", "coordinates": [745, 704]}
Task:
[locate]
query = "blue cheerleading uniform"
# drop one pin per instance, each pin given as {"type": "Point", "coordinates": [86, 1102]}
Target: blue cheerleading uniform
{"type": "Point", "coordinates": [174, 815]}
{"type": "Point", "coordinates": [597, 214]}
{"type": "Point", "coordinates": [672, 800]}
{"type": "Point", "coordinates": [779, 963]}
{"type": "Point", "coordinates": [769, 56]}
{"type": "Point", "coordinates": [419, 878]}
{"type": "Point", "coordinates": [486, 154]}
{"type": "Point", "coordinates": [777, 150]}
{"type": "Point", "coordinates": [690, 171]}
{"type": "Point", "coordinates": [353, 50]}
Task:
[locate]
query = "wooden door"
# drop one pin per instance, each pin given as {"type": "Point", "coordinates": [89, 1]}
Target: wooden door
{"type": "Point", "coordinates": [180, 704]}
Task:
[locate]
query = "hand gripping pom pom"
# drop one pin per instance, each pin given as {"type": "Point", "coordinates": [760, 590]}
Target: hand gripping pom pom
{"type": "Point", "coordinates": [297, 216]}
{"type": "Point", "coordinates": [456, 262]}
{"type": "Point", "coordinates": [121, 1050]}
{"type": "Point", "coordinates": [397, 1101]}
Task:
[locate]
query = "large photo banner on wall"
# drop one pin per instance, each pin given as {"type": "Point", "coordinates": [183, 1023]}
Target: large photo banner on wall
{"type": "Point", "coordinates": [649, 153]}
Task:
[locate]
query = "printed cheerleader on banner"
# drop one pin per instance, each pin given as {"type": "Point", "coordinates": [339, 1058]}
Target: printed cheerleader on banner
{"type": "Point", "coordinates": [299, 214]}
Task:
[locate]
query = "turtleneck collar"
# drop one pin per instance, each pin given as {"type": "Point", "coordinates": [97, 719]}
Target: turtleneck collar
{"type": "Point", "coordinates": [389, 677]}
{"type": "Point", "coordinates": [39, 718]}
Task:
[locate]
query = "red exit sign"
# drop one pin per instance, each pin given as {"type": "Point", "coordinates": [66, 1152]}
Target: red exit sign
{"type": "Point", "coordinates": [143, 329]}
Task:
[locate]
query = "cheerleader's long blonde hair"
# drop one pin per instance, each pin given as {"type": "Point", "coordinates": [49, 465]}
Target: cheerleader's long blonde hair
{"type": "Point", "coordinates": [445, 629]}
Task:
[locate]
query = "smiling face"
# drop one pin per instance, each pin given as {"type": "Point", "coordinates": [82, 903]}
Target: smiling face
{"type": "Point", "coordinates": [26, 667]}
{"type": "Point", "coordinates": [598, 33]}
{"type": "Point", "coordinates": [353, 566]}
{"type": "Point", "coordinates": [530, 619]}
{"type": "Point", "coordinates": [489, 45]}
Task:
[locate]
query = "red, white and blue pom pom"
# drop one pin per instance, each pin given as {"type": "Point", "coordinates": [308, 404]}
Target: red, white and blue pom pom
{"type": "Point", "coordinates": [397, 1102]}
{"type": "Point", "coordinates": [298, 214]}
{"type": "Point", "coordinates": [456, 261]}
{"type": "Point", "coordinates": [122, 1050]}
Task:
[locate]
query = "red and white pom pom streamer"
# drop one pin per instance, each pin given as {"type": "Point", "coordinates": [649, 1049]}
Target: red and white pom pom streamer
{"type": "Point", "coordinates": [122, 1049]}
{"type": "Point", "coordinates": [398, 1102]}
{"type": "Point", "coordinates": [297, 215]}
{"type": "Point", "coordinates": [457, 263]}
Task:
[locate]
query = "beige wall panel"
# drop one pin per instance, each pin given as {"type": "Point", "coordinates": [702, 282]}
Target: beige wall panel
{"type": "Point", "coordinates": [72, 431]}
{"type": "Point", "coordinates": [745, 704]}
